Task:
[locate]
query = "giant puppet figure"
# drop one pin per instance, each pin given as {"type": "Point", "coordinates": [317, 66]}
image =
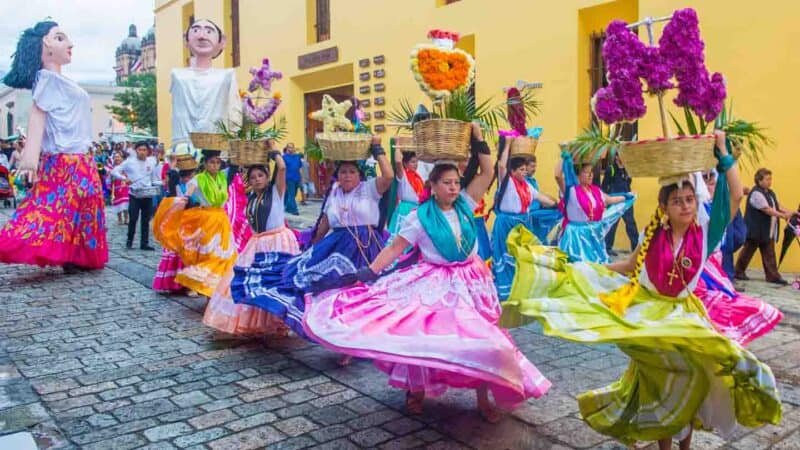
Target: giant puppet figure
{"type": "Point", "coordinates": [203, 96]}
{"type": "Point", "coordinates": [60, 222]}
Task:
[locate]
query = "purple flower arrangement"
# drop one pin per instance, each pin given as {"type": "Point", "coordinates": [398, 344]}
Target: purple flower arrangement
{"type": "Point", "coordinates": [680, 44]}
{"type": "Point", "coordinates": [680, 53]}
{"type": "Point", "coordinates": [261, 83]}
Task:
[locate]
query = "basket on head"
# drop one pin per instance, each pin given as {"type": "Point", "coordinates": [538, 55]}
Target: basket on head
{"type": "Point", "coordinates": [344, 146]}
{"type": "Point", "coordinates": [209, 141]}
{"type": "Point", "coordinates": [405, 144]}
{"type": "Point", "coordinates": [442, 139]}
{"type": "Point", "coordinates": [186, 162]}
{"type": "Point", "coordinates": [249, 153]}
{"type": "Point", "coordinates": [669, 157]}
{"type": "Point", "coordinates": [523, 146]}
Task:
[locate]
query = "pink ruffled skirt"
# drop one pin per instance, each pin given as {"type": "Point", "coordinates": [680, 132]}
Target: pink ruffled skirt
{"type": "Point", "coordinates": [736, 316]}
{"type": "Point", "coordinates": [235, 210]}
{"type": "Point", "coordinates": [225, 315]}
{"type": "Point", "coordinates": [168, 267]}
{"type": "Point", "coordinates": [429, 327]}
{"type": "Point", "coordinates": [62, 219]}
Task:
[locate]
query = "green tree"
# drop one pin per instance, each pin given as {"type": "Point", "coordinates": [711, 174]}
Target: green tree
{"type": "Point", "coordinates": [137, 105]}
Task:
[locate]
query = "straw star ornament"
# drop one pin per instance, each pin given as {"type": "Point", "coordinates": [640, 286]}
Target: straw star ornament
{"type": "Point", "coordinates": [332, 115]}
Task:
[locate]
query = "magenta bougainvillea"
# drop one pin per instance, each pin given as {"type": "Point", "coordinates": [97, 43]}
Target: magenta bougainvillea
{"type": "Point", "coordinates": [680, 54]}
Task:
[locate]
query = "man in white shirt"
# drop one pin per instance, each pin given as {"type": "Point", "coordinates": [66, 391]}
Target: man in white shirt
{"type": "Point", "coordinates": [145, 183]}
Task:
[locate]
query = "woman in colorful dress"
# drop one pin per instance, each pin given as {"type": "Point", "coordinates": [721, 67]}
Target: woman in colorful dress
{"type": "Point", "coordinates": [345, 239]}
{"type": "Point", "coordinates": [266, 216]}
{"type": "Point", "coordinates": [170, 263]}
{"type": "Point", "coordinates": [588, 212]}
{"type": "Point", "coordinates": [432, 325]}
{"type": "Point", "coordinates": [119, 195]}
{"type": "Point", "coordinates": [512, 207]}
{"type": "Point", "coordinates": [201, 236]}
{"type": "Point", "coordinates": [542, 220]}
{"type": "Point", "coordinates": [682, 372]}
{"type": "Point", "coordinates": [739, 317]}
{"type": "Point", "coordinates": [61, 221]}
{"type": "Point", "coordinates": [235, 208]}
{"type": "Point", "coordinates": [410, 187]}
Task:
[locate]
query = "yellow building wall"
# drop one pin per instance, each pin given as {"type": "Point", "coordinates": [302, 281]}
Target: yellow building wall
{"type": "Point", "coordinates": [540, 41]}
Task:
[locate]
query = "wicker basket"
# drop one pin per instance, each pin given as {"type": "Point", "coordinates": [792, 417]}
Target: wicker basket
{"type": "Point", "coordinates": [405, 143]}
{"type": "Point", "coordinates": [186, 162]}
{"type": "Point", "coordinates": [442, 139]}
{"type": "Point", "coordinates": [344, 146]}
{"type": "Point", "coordinates": [664, 158]}
{"type": "Point", "coordinates": [209, 141]}
{"type": "Point", "coordinates": [249, 153]}
{"type": "Point", "coordinates": [523, 146]}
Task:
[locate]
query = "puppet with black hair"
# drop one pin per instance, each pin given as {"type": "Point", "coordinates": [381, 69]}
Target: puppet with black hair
{"type": "Point", "coordinates": [61, 221]}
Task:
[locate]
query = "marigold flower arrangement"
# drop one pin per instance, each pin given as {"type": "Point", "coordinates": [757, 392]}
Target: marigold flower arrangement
{"type": "Point", "coordinates": [439, 67]}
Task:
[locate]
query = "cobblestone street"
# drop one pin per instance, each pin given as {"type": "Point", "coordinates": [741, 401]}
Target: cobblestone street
{"type": "Point", "coordinates": [99, 361]}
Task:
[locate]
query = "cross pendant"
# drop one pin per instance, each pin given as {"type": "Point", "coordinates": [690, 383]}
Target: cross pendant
{"type": "Point", "coordinates": [672, 275]}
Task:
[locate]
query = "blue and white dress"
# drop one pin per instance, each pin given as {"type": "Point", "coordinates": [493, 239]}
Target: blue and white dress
{"type": "Point", "coordinates": [279, 282]}
{"type": "Point", "coordinates": [509, 212]}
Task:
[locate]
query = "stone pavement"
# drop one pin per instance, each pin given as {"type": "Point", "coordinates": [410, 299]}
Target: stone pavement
{"type": "Point", "coordinates": [99, 361]}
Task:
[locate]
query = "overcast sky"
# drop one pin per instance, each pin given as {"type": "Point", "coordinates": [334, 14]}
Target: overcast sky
{"type": "Point", "coordinates": [96, 28]}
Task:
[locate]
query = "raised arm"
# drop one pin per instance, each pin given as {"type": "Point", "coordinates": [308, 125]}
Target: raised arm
{"type": "Point", "coordinates": [613, 199]}
{"type": "Point", "coordinates": [399, 170]}
{"type": "Point", "coordinates": [480, 184]}
{"type": "Point", "coordinates": [280, 168]}
{"type": "Point", "coordinates": [559, 176]}
{"type": "Point", "coordinates": [502, 163]}
{"type": "Point", "coordinates": [384, 180]}
{"type": "Point", "coordinates": [545, 200]}
{"type": "Point", "coordinates": [731, 175]}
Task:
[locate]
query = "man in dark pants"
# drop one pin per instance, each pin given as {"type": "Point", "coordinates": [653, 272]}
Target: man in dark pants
{"type": "Point", "coordinates": [617, 181]}
{"type": "Point", "coordinates": [140, 172]}
{"type": "Point", "coordinates": [761, 215]}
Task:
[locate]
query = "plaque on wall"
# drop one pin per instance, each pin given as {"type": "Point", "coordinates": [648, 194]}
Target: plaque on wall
{"type": "Point", "coordinates": [380, 100]}
{"type": "Point", "coordinates": [379, 114]}
{"type": "Point", "coordinates": [363, 62]}
{"type": "Point", "coordinates": [379, 128]}
{"type": "Point", "coordinates": [379, 73]}
{"type": "Point", "coordinates": [365, 102]}
{"type": "Point", "coordinates": [364, 76]}
{"type": "Point", "coordinates": [380, 87]}
{"type": "Point", "coordinates": [363, 90]}
{"type": "Point", "coordinates": [367, 117]}
{"type": "Point", "coordinates": [378, 59]}
{"type": "Point", "coordinates": [318, 58]}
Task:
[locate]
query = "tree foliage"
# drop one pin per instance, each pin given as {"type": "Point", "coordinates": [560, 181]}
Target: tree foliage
{"type": "Point", "coordinates": [136, 106]}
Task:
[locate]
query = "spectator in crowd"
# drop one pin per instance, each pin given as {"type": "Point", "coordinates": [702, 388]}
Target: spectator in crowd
{"type": "Point", "coordinates": [762, 215]}
{"type": "Point", "coordinates": [617, 181]}
{"type": "Point", "coordinates": [307, 187]}
{"type": "Point", "coordinates": [294, 161]}
{"type": "Point", "coordinates": [145, 182]}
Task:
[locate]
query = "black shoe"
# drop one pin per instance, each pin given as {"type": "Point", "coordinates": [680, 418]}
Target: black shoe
{"type": "Point", "coordinates": [147, 248]}
{"type": "Point", "coordinates": [129, 246]}
{"type": "Point", "coordinates": [612, 253]}
{"type": "Point", "coordinates": [71, 269]}
{"type": "Point", "coordinates": [742, 277]}
{"type": "Point", "coordinates": [779, 281]}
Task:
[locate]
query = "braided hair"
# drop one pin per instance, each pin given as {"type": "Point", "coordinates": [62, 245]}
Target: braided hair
{"type": "Point", "coordinates": [28, 57]}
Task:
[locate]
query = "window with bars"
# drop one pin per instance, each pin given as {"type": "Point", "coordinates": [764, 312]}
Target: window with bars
{"type": "Point", "coordinates": [597, 78]}
{"type": "Point", "coordinates": [235, 50]}
{"type": "Point", "coordinates": [323, 20]}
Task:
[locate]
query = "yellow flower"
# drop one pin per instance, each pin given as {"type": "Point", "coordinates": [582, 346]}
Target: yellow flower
{"type": "Point", "coordinates": [242, 94]}
{"type": "Point", "coordinates": [277, 95]}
